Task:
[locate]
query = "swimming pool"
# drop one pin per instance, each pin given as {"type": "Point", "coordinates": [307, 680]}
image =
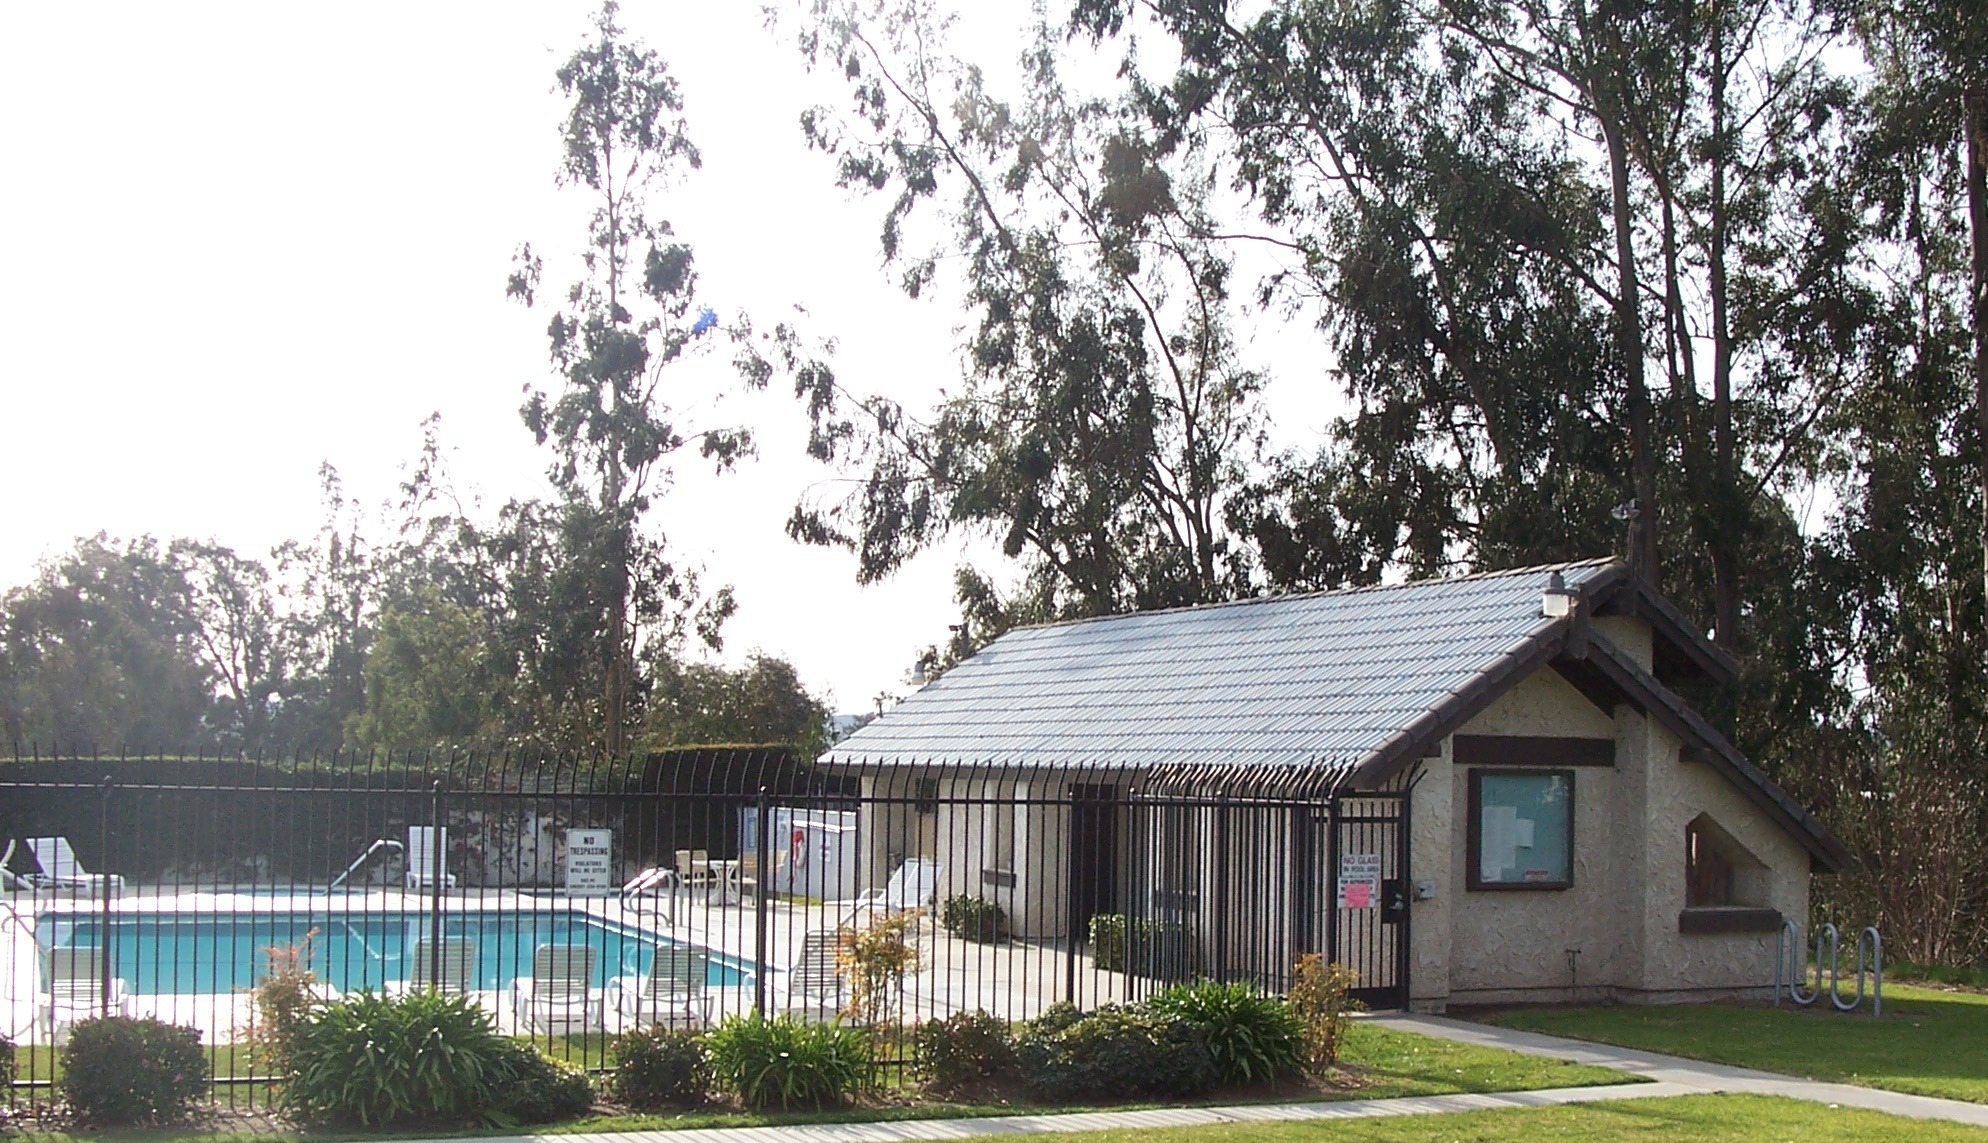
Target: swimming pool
{"type": "Point", "coordinates": [218, 953]}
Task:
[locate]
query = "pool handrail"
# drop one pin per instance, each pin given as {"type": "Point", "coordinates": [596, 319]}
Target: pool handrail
{"type": "Point", "coordinates": [377, 846]}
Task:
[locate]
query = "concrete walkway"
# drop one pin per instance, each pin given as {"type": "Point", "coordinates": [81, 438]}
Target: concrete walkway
{"type": "Point", "coordinates": [1694, 1075]}
{"type": "Point", "coordinates": [1665, 1076]}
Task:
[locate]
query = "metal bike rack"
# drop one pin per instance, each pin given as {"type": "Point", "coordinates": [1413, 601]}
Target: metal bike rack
{"type": "Point", "coordinates": [1791, 975]}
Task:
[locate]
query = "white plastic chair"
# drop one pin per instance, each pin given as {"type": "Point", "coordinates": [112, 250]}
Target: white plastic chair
{"type": "Point", "coordinates": [424, 845]}
{"type": "Point", "coordinates": [76, 990]}
{"type": "Point", "coordinates": [61, 870]}
{"type": "Point", "coordinates": [458, 975]}
{"type": "Point", "coordinates": [915, 885]}
{"type": "Point", "coordinates": [816, 989]}
{"type": "Point", "coordinates": [674, 993]}
{"type": "Point", "coordinates": [559, 994]}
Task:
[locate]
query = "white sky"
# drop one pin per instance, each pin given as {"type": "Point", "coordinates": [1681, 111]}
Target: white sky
{"type": "Point", "coordinates": [237, 241]}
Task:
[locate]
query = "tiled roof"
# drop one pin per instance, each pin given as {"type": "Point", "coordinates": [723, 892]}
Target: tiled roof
{"type": "Point", "coordinates": [1321, 680]}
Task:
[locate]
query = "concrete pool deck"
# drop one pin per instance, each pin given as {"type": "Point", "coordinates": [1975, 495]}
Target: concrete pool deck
{"type": "Point", "coordinates": [1016, 979]}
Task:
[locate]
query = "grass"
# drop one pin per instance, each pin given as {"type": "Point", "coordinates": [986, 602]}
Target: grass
{"type": "Point", "coordinates": [1382, 1063]}
{"type": "Point", "coordinates": [1928, 1042]}
{"type": "Point", "coordinates": [1682, 1119]}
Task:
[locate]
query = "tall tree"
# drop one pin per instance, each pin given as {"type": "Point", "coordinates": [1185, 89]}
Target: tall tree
{"type": "Point", "coordinates": [1107, 414]}
{"type": "Point", "coordinates": [630, 316]}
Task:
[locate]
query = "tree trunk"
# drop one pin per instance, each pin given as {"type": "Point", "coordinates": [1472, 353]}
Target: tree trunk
{"type": "Point", "coordinates": [1728, 514]}
{"type": "Point", "coordinates": [1975, 125]}
{"type": "Point", "coordinates": [1629, 344]}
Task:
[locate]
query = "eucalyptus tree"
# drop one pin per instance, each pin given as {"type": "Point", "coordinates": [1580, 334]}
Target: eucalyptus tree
{"type": "Point", "coordinates": [1107, 414]}
{"type": "Point", "coordinates": [615, 334]}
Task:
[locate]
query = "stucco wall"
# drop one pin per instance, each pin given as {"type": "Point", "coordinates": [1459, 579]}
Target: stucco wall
{"type": "Point", "coordinates": [1621, 913]}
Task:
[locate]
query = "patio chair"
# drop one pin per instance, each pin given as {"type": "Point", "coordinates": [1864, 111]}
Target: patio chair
{"type": "Point", "coordinates": [915, 885]}
{"type": "Point", "coordinates": [674, 993]}
{"type": "Point", "coordinates": [693, 868]}
{"type": "Point", "coordinates": [458, 974]}
{"type": "Point", "coordinates": [559, 994]}
{"type": "Point", "coordinates": [76, 990]}
{"type": "Point", "coordinates": [816, 989]}
{"type": "Point", "coordinates": [61, 870]}
{"type": "Point", "coordinates": [424, 845]}
{"type": "Point", "coordinates": [747, 874]}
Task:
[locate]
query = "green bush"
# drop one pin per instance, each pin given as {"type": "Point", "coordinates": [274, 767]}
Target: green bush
{"type": "Point", "coordinates": [1115, 1053]}
{"type": "Point", "coordinates": [377, 1060]}
{"type": "Point", "coordinates": [974, 919]}
{"type": "Point", "coordinates": [1250, 1036]}
{"type": "Point", "coordinates": [1055, 1018]}
{"type": "Point", "coordinates": [1150, 948]}
{"type": "Point", "coordinates": [963, 1051]}
{"type": "Point", "coordinates": [6, 1061]}
{"type": "Point", "coordinates": [117, 1070]}
{"type": "Point", "coordinates": [653, 1068]}
{"type": "Point", "coordinates": [539, 1090]}
{"type": "Point", "coordinates": [787, 1062]}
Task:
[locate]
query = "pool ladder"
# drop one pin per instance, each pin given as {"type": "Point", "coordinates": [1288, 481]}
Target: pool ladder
{"type": "Point", "coordinates": [376, 847]}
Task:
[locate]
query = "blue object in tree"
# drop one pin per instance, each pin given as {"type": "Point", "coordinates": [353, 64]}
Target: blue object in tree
{"type": "Point", "coordinates": [706, 318]}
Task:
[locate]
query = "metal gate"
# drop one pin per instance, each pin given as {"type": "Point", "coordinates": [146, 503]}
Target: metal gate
{"type": "Point", "coordinates": [1365, 889]}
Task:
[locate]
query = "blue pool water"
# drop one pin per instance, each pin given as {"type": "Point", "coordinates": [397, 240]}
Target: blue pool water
{"type": "Point", "coordinates": [227, 952]}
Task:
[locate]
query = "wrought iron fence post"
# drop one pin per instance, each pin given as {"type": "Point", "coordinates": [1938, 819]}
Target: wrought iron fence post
{"type": "Point", "coordinates": [106, 973]}
{"type": "Point", "coordinates": [1222, 888]}
{"type": "Point", "coordinates": [763, 881]}
{"type": "Point", "coordinates": [437, 869]}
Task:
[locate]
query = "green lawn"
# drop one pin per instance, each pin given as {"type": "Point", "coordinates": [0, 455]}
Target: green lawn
{"type": "Point", "coordinates": [1382, 1063]}
{"type": "Point", "coordinates": [1929, 1042]}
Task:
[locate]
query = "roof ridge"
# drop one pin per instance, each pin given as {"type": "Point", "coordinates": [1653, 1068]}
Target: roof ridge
{"type": "Point", "coordinates": [1360, 589]}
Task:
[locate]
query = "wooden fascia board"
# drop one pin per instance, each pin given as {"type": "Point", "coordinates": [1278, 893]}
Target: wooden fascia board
{"type": "Point", "coordinates": [1631, 596]}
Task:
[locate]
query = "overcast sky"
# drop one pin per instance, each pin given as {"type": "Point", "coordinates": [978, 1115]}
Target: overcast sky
{"type": "Point", "coordinates": [239, 241]}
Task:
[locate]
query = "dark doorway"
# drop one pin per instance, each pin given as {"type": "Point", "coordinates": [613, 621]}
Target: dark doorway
{"type": "Point", "coordinates": [1093, 855]}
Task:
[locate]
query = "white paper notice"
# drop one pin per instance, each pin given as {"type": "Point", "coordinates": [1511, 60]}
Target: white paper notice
{"type": "Point", "coordinates": [1522, 833]}
{"type": "Point", "coordinates": [1499, 852]}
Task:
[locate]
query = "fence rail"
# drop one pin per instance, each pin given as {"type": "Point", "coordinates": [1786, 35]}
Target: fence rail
{"type": "Point", "coordinates": [574, 900]}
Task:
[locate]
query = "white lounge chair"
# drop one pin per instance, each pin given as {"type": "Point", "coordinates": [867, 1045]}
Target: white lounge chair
{"type": "Point", "coordinates": [915, 885]}
{"type": "Point", "coordinates": [559, 994]}
{"type": "Point", "coordinates": [674, 993]}
{"type": "Point", "coordinates": [458, 971]}
{"type": "Point", "coordinates": [654, 879]}
{"type": "Point", "coordinates": [61, 870]}
{"type": "Point", "coordinates": [815, 987]}
{"type": "Point", "coordinates": [76, 990]}
{"type": "Point", "coordinates": [424, 845]}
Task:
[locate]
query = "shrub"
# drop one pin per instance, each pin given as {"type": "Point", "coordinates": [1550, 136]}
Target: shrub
{"type": "Point", "coordinates": [1150, 948]}
{"type": "Point", "coordinates": [1055, 1018]}
{"type": "Point", "coordinates": [1115, 1053]}
{"type": "Point", "coordinates": [283, 997]}
{"type": "Point", "coordinates": [120, 1070]}
{"type": "Point", "coordinates": [964, 1050]}
{"type": "Point", "coordinates": [539, 1090]}
{"type": "Point", "coordinates": [6, 1061]}
{"type": "Point", "coordinates": [974, 919]}
{"type": "Point", "coordinates": [1251, 1037]}
{"type": "Point", "coordinates": [654, 1068]}
{"type": "Point", "coordinates": [1321, 998]}
{"type": "Point", "coordinates": [786, 1061]}
{"type": "Point", "coordinates": [1108, 941]}
{"type": "Point", "coordinates": [875, 960]}
{"type": "Point", "coordinates": [376, 1060]}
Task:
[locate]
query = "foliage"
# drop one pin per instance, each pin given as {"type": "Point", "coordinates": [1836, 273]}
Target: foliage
{"type": "Point", "coordinates": [7, 1061]}
{"type": "Point", "coordinates": [875, 961]}
{"type": "Point", "coordinates": [1140, 944]}
{"type": "Point", "coordinates": [1108, 412]}
{"type": "Point", "coordinates": [372, 1060]}
{"type": "Point", "coordinates": [1115, 1052]}
{"type": "Point", "coordinates": [1108, 933]}
{"type": "Point", "coordinates": [974, 918]}
{"type": "Point", "coordinates": [788, 1062]}
{"type": "Point", "coordinates": [964, 1050]}
{"type": "Point", "coordinates": [1321, 999]}
{"type": "Point", "coordinates": [538, 1089]}
{"type": "Point", "coordinates": [433, 678]}
{"type": "Point", "coordinates": [699, 704]}
{"type": "Point", "coordinates": [283, 1000]}
{"type": "Point", "coordinates": [117, 1071]}
{"type": "Point", "coordinates": [612, 426]}
{"type": "Point", "coordinates": [658, 1067]}
{"type": "Point", "coordinates": [1252, 1037]}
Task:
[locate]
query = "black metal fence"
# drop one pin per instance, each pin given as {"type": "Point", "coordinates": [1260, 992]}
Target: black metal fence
{"type": "Point", "coordinates": [574, 900]}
